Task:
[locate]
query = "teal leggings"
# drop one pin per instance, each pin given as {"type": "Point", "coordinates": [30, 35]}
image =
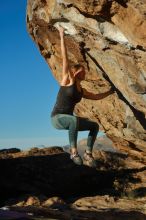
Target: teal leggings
{"type": "Point", "coordinates": [74, 124]}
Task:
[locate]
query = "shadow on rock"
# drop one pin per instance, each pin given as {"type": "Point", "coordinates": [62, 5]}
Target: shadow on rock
{"type": "Point", "coordinates": [74, 214]}
{"type": "Point", "coordinates": [57, 175]}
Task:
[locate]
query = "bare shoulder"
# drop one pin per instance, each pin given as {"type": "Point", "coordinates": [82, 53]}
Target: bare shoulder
{"type": "Point", "coordinates": [66, 84]}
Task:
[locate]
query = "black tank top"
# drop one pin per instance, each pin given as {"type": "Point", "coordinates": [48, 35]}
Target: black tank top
{"type": "Point", "coordinates": [67, 98]}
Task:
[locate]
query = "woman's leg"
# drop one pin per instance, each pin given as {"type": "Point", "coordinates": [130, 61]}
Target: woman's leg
{"type": "Point", "coordinates": [93, 127]}
{"type": "Point", "coordinates": [85, 124]}
{"type": "Point", "coordinates": [70, 123]}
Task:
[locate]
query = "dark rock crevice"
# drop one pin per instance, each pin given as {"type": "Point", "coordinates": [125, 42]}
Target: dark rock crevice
{"type": "Point", "coordinates": [83, 49]}
{"type": "Point", "coordinates": [123, 3]}
{"type": "Point", "coordinates": [98, 17]}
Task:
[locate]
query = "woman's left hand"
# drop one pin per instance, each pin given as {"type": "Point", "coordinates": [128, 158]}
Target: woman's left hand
{"type": "Point", "coordinates": [61, 30]}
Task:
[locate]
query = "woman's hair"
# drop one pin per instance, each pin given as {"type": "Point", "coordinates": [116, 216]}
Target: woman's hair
{"type": "Point", "coordinates": [76, 67]}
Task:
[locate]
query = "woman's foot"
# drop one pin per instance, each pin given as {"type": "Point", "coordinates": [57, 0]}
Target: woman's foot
{"type": "Point", "coordinates": [89, 159]}
{"type": "Point", "coordinates": [75, 157]}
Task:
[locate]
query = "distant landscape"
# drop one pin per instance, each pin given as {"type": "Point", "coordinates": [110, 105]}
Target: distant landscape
{"type": "Point", "coordinates": [101, 143]}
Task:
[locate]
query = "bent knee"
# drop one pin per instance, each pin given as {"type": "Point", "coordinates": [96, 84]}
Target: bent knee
{"type": "Point", "coordinates": [74, 122]}
{"type": "Point", "coordinates": [96, 126]}
{"type": "Point", "coordinates": [56, 123]}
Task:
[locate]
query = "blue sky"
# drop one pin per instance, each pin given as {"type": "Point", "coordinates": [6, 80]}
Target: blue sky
{"type": "Point", "coordinates": [27, 88]}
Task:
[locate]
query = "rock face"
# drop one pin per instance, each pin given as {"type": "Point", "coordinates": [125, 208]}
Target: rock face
{"type": "Point", "coordinates": [45, 182]}
{"type": "Point", "coordinates": [108, 37]}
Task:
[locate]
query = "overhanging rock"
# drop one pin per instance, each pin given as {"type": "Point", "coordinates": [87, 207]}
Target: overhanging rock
{"type": "Point", "coordinates": [108, 37]}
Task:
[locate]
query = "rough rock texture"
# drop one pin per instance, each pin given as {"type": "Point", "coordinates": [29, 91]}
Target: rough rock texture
{"type": "Point", "coordinates": [46, 183]}
{"type": "Point", "coordinates": [108, 37]}
{"type": "Point", "coordinates": [96, 208]}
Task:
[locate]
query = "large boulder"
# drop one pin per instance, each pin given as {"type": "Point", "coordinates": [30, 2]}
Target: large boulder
{"type": "Point", "coordinates": [45, 182]}
{"type": "Point", "coordinates": [108, 37]}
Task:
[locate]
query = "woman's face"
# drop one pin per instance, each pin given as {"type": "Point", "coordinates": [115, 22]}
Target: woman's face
{"type": "Point", "coordinates": [80, 73]}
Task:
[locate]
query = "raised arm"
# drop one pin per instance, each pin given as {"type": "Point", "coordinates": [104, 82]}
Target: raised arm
{"type": "Point", "coordinates": [65, 70]}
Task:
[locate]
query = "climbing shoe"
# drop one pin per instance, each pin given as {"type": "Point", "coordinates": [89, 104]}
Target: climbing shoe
{"type": "Point", "coordinates": [89, 159]}
{"type": "Point", "coordinates": [76, 159]}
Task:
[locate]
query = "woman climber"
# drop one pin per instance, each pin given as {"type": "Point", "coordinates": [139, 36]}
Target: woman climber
{"type": "Point", "coordinates": [69, 94]}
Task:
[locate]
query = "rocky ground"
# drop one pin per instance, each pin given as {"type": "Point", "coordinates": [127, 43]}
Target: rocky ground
{"type": "Point", "coordinates": [44, 184]}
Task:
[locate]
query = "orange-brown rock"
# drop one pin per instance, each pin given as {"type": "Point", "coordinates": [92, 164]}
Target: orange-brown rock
{"type": "Point", "coordinates": [108, 37]}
